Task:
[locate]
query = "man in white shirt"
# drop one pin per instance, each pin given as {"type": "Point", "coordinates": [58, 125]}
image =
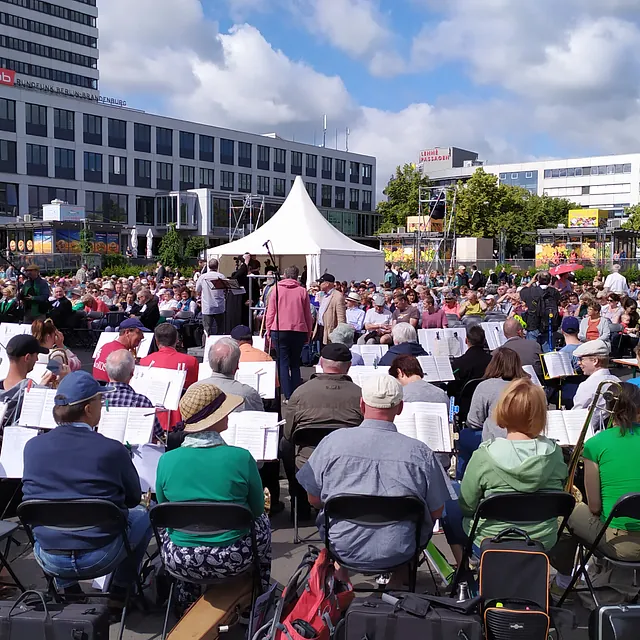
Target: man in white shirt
{"type": "Point", "coordinates": [355, 315]}
{"type": "Point", "coordinates": [377, 320]}
{"type": "Point", "coordinates": [213, 300]}
{"type": "Point", "coordinates": [616, 282]}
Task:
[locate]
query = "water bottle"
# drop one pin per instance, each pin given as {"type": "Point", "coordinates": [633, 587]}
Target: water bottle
{"type": "Point", "coordinates": [463, 592]}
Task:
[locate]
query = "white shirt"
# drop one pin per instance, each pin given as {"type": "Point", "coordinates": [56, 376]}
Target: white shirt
{"type": "Point", "coordinates": [213, 300]}
{"type": "Point", "coordinates": [587, 391]}
{"type": "Point", "coordinates": [373, 317]}
{"type": "Point", "coordinates": [616, 283]}
{"type": "Point", "coordinates": [355, 317]}
{"type": "Point", "coordinates": [323, 307]}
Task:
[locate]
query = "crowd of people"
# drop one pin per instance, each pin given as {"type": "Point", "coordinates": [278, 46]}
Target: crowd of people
{"type": "Point", "coordinates": [501, 445]}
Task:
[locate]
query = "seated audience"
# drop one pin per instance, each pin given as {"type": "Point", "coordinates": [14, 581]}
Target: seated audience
{"type": "Point", "coordinates": [451, 306]}
{"type": "Point", "coordinates": [9, 308]}
{"type": "Point", "coordinates": [74, 462]}
{"type": "Point", "coordinates": [626, 339]}
{"type": "Point", "coordinates": [355, 315]}
{"type": "Point", "coordinates": [405, 313]}
{"type": "Point", "coordinates": [504, 367]}
{"type": "Point", "coordinates": [248, 353]}
{"type": "Point", "coordinates": [613, 310]}
{"type": "Point", "coordinates": [524, 460]}
{"type": "Point", "coordinates": [472, 364]}
{"type": "Point", "coordinates": [405, 343]}
{"type": "Point", "coordinates": [193, 473]}
{"type": "Point", "coordinates": [344, 334]}
{"type": "Point", "coordinates": [594, 326]}
{"type": "Point", "coordinates": [48, 336]}
{"type": "Point", "coordinates": [408, 372]}
{"type": "Point", "coordinates": [472, 306]}
{"type": "Point", "coordinates": [611, 471]}
{"type": "Point", "coordinates": [131, 333]}
{"type": "Point", "coordinates": [570, 327]}
{"type": "Point", "coordinates": [432, 317]}
{"type": "Point", "coordinates": [148, 312]}
{"type": "Point", "coordinates": [60, 312]}
{"type": "Point", "coordinates": [77, 303]}
{"type": "Point", "coordinates": [374, 459]}
{"type": "Point", "coordinates": [377, 323]}
{"type": "Point", "coordinates": [329, 398]}
{"type": "Point", "coordinates": [528, 350]}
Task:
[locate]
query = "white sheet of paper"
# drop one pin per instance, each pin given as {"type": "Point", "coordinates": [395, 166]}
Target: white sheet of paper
{"type": "Point", "coordinates": [7, 331]}
{"type": "Point", "coordinates": [371, 353]}
{"type": "Point", "coordinates": [110, 336]}
{"type": "Point", "coordinates": [12, 455]}
{"type": "Point", "coordinates": [494, 334]}
{"type": "Point", "coordinates": [565, 426]}
{"type": "Point", "coordinates": [139, 429]}
{"type": "Point", "coordinates": [261, 376]}
{"type": "Point", "coordinates": [113, 423]}
{"type": "Point", "coordinates": [37, 408]}
{"type": "Point", "coordinates": [145, 459]}
{"type": "Point", "coordinates": [558, 364]}
{"type": "Point", "coordinates": [360, 374]}
{"type": "Point", "coordinates": [37, 372]}
{"type": "Point", "coordinates": [255, 431]}
{"type": "Point", "coordinates": [527, 368]}
{"type": "Point", "coordinates": [443, 342]}
{"type": "Point", "coordinates": [429, 368]}
{"type": "Point", "coordinates": [427, 422]}
{"type": "Point", "coordinates": [445, 372]}
{"type": "Point", "coordinates": [151, 382]}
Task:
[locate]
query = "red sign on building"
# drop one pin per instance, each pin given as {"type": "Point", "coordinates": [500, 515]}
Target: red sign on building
{"type": "Point", "coordinates": [7, 77]}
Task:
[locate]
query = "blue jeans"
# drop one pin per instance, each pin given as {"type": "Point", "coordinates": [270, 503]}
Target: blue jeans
{"type": "Point", "coordinates": [288, 346]}
{"type": "Point", "coordinates": [82, 565]}
{"type": "Point", "coordinates": [452, 522]}
{"type": "Point", "coordinates": [543, 341]}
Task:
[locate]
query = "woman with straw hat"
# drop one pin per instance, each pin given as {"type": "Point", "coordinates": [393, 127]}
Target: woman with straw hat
{"type": "Point", "coordinates": [205, 468]}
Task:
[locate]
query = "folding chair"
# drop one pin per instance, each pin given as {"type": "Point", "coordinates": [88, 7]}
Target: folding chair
{"type": "Point", "coordinates": [204, 518]}
{"type": "Point", "coordinates": [309, 436]}
{"type": "Point", "coordinates": [76, 515]}
{"type": "Point", "coordinates": [114, 318]}
{"type": "Point", "coordinates": [512, 508]}
{"type": "Point", "coordinates": [627, 506]}
{"type": "Point", "coordinates": [375, 511]}
{"type": "Point", "coordinates": [7, 529]}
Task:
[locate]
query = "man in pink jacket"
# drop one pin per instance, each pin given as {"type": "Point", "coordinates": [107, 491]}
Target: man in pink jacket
{"type": "Point", "coordinates": [289, 327]}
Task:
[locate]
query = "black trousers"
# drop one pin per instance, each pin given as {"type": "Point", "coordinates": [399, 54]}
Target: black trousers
{"type": "Point", "coordinates": [288, 457]}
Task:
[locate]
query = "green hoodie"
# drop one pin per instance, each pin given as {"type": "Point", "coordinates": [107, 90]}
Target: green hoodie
{"type": "Point", "coordinates": [502, 465]}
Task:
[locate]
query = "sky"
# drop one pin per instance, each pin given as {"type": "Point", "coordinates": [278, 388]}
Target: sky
{"type": "Point", "coordinates": [514, 80]}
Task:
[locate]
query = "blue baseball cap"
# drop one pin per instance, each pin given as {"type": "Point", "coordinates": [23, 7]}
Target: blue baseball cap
{"type": "Point", "coordinates": [570, 325]}
{"type": "Point", "coordinates": [78, 387]}
{"type": "Point", "coordinates": [133, 323]}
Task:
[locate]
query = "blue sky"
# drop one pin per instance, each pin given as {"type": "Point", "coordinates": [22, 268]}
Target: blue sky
{"type": "Point", "coordinates": [510, 79]}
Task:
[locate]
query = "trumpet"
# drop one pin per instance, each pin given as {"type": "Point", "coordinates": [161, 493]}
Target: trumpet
{"type": "Point", "coordinates": [611, 397]}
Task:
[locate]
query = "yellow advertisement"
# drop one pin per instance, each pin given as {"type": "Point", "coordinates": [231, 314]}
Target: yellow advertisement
{"type": "Point", "coordinates": [579, 218]}
{"type": "Point", "coordinates": [416, 223]}
{"type": "Point", "coordinates": [551, 255]}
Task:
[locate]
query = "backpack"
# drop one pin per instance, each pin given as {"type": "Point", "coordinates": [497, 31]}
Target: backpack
{"type": "Point", "coordinates": [543, 308]}
{"type": "Point", "coordinates": [391, 278]}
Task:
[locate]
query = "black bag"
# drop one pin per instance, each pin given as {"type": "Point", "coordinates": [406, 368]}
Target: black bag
{"type": "Point", "coordinates": [543, 309]}
{"type": "Point", "coordinates": [412, 616]}
{"type": "Point", "coordinates": [619, 622]}
{"type": "Point", "coordinates": [32, 617]}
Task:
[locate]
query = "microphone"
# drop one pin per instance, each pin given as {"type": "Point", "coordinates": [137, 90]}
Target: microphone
{"type": "Point", "coordinates": [266, 244]}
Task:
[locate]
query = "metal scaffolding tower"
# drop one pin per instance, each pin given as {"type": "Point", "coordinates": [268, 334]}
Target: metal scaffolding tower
{"type": "Point", "coordinates": [245, 218]}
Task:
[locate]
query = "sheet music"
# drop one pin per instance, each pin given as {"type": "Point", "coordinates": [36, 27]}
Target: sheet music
{"type": "Point", "coordinates": [532, 373]}
{"type": "Point", "coordinates": [436, 368]}
{"type": "Point", "coordinates": [261, 376]}
{"type": "Point", "coordinates": [360, 374]}
{"type": "Point", "coordinates": [110, 336]}
{"type": "Point", "coordinates": [566, 426]}
{"type": "Point", "coordinates": [255, 431]}
{"type": "Point", "coordinates": [113, 423]}
{"type": "Point", "coordinates": [443, 365]}
{"type": "Point", "coordinates": [443, 342]}
{"type": "Point", "coordinates": [162, 386]}
{"type": "Point", "coordinates": [14, 440]}
{"type": "Point", "coordinates": [154, 389]}
{"type": "Point", "coordinates": [37, 372]}
{"type": "Point", "coordinates": [7, 331]}
{"type": "Point", "coordinates": [558, 364]}
{"type": "Point", "coordinates": [371, 353]}
{"type": "Point", "coordinates": [427, 422]}
{"type": "Point", "coordinates": [130, 425]}
{"type": "Point", "coordinates": [37, 408]}
{"type": "Point", "coordinates": [211, 340]}
{"type": "Point", "coordinates": [494, 334]}
{"type": "Point", "coordinates": [145, 459]}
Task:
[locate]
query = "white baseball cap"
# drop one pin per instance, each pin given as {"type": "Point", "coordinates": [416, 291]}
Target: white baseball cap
{"type": "Point", "coordinates": [382, 392]}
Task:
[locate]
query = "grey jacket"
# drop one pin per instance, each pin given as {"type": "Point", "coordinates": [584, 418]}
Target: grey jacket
{"type": "Point", "coordinates": [252, 399]}
{"type": "Point", "coordinates": [485, 398]}
{"type": "Point", "coordinates": [603, 328]}
{"type": "Point", "coordinates": [529, 352]}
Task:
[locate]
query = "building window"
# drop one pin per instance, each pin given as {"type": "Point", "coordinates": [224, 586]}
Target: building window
{"type": "Point", "coordinates": [206, 178]}
{"type": "Point", "coordinates": [142, 173]}
{"type": "Point", "coordinates": [585, 190]}
{"type": "Point", "coordinates": [57, 11]}
{"type": "Point", "coordinates": [36, 120]}
{"type": "Point", "coordinates": [92, 129]}
{"type": "Point", "coordinates": [312, 166]}
{"type": "Point", "coordinates": [226, 181]}
{"type": "Point", "coordinates": [164, 141]}
{"type": "Point", "coordinates": [187, 177]}
{"type": "Point", "coordinates": [514, 176]}
{"type": "Point", "coordinates": [367, 173]}
{"type": "Point", "coordinates": [296, 163]}
{"type": "Point", "coordinates": [312, 190]}
{"type": "Point", "coordinates": [118, 170]}
{"type": "Point", "coordinates": [49, 73]}
{"type": "Point", "coordinates": [366, 200]}
{"type": "Point", "coordinates": [167, 211]}
{"type": "Point", "coordinates": [279, 187]}
{"type": "Point", "coordinates": [327, 168]}
{"type": "Point", "coordinates": [340, 196]}
{"type": "Point", "coordinates": [528, 174]}
{"type": "Point", "coordinates": [7, 115]}
{"type": "Point", "coordinates": [8, 156]}
{"type": "Point", "coordinates": [206, 148]}
{"type": "Point", "coordinates": [263, 185]}
{"type": "Point", "coordinates": [65, 161]}
{"type": "Point", "coordinates": [340, 170]}
{"type": "Point", "coordinates": [142, 137]}
{"type": "Point", "coordinates": [92, 167]}
{"type": "Point", "coordinates": [354, 172]}
{"type": "Point", "coordinates": [547, 174]}
{"type": "Point", "coordinates": [145, 210]}
{"type": "Point", "coordinates": [280, 160]}
{"type": "Point", "coordinates": [354, 199]}
{"type": "Point", "coordinates": [227, 151]}
{"type": "Point", "coordinates": [117, 134]}
{"type": "Point", "coordinates": [326, 195]}
{"type": "Point", "coordinates": [64, 124]}
{"type": "Point", "coordinates": [580, 171]}
{"type": "Point", "coordinates": [263, 157]}
{"type": "Point", "coordinates": [164, 176]}
{"type": "Point", "coordinates": [106, 207]}
{"type": "Point", "coordinates": [8, 199]}
{"type": "Point", "coordinates": [39, 196]}
{"type": "Point", "coordinates": [44, 29]}
{"type": "Point", "coordinates": [244, 154]}
{"type": "Point", "coordinates": [187, 145]}
{"type": "Point", "coordinates": [37, 163]}
{"type": "Point", "coordinates": [244, 182]}
{"type": "Point", "coordinates": [626, 168]}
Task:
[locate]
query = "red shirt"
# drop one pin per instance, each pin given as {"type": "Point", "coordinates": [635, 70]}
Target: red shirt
{"type": "Point", "coordinates": [100, 363]}
{"type": "Point", "coordinates": [169, 358]}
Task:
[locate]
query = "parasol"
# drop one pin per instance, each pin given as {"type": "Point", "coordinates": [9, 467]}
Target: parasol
{"type": "Point", "coordinates": [134, 242]}
{"type": "Point", "coordinates": [149, 244]}
{"type": "Point", "coordinates": [565, 268]}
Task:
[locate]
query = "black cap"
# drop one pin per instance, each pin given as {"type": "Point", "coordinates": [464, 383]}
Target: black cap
{"type": "Point", "coordinates": [337, 352]}
{"type": "Point", "coordinates": [241, 332]}
{"type": "Point", "coordinates": [23, 345]}
{"type": "Point", "coordinates": [326, 277]}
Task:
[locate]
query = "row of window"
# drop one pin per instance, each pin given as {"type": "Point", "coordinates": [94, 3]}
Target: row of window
{"type": "Point", "coordinates": [516, 176]}
{"type": "Point", "coordinates": [91, 3]}
{"type": "Point", "coordinates": [46, 73]}
{"type": "Point", "coordinates": [600, 170]}
{"type": "Point", "coordinates": [44, 51]}
{"type": "Point", "coordinates": [44, 29]}
{"type": "Point", "coordinates": [55, 10]}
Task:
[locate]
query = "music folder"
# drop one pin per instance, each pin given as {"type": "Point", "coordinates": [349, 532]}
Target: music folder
{"type": "Point", "coordinates": [565, 426]}
{"type": "Point", "coordinates": [256, 431]}
{"type": "Point", "coordinates": [557, 364]}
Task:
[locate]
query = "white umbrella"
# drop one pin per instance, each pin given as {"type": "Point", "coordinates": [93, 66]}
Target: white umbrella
{"type": "Point", "coordinates": [134, 242]}
{"type": "Point", "coordinates": [149, 244]}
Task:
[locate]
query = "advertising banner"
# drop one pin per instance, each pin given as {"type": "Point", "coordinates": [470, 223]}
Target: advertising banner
{"type": "Point", "coordinates": [113, 243]}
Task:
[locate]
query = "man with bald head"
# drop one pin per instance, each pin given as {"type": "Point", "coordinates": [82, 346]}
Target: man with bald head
{"type": "Point", "coordinates": [528, 350]}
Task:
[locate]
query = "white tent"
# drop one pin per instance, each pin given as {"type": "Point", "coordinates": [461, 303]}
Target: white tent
{"type": "Point", "coordinates": [298, 232]}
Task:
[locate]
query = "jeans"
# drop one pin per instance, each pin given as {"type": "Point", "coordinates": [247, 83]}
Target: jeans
{"type": "Point", "coordinates": [213, 324]}
{"type": "Point", "coordinates": [81, 565]}
{"type": "Point", "coordinates": [542, 340]}
{"type": "Point", "coordinates": [452, 522]}
{"type": "Point", "coordinates": [288, 346]}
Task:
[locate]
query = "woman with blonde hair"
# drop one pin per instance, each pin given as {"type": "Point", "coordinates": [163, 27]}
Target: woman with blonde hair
{"type": "Point", "coordinates": [49, 337]}
{"type": "Point", "coordinates": [9, 309]}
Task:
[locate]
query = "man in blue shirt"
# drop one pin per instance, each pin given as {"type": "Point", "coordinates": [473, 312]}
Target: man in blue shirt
{"type": "Point", "coordinates": [72, 462]}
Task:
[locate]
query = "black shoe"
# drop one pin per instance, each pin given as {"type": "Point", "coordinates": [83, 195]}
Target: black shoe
{"type": "Point", "coordinates": [276, 508]}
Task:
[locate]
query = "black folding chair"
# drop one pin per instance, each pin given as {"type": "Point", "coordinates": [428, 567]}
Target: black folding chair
{"type": "Point", "coordinates": [512, 508]}
{"type": "Point", "coordinates": [626, 507]}
{"type": "Point", "coordinates": [7, 529]}
{"type": "Point", "coordinates": [73, 516]}
{"type": "Point", "coordinates": [308, 437]}
{"type": "Point", "coordinates": [375, 511]}
{"type": "Point", "coordinates": [115, 318]}
{"type": "Point", "coordinates": [204, 518]}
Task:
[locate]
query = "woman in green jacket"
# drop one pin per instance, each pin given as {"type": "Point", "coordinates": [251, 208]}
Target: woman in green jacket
{"type": "Point", "coordinates": [525, 461]}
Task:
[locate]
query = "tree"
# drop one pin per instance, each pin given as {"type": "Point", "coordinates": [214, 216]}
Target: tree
{"type": "Point", "coordinates": [402, 197]}
{"type": "Point", "coordinates": [195, 246]}
{"type": "Point", "coordinates": [86, 241]}
{"type": "Point", "coordinates": [171, 249]}
{"type": "Point", "coordinates": [634, 218]}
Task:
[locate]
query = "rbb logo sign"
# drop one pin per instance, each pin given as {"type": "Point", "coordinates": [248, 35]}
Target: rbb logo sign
{"type": "Point", "coordinates": [7, 77]}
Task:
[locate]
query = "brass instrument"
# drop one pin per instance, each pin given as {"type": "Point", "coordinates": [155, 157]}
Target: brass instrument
{"type": "Point", "coordinates": [611, 398]}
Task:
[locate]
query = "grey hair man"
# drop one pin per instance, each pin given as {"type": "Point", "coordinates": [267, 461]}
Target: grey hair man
{"type": "Point", "coordinates": [212, 300]}
{"type": "Point", "coordinates": [405, 343]}
{"type": "Point", "coordinates": [615, 282]}
{"type": "Point", "coordinates": [224, 360]}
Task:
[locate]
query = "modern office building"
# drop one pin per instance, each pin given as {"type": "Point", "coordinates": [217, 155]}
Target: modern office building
{"type": "Point", "coordinates": [601, 182]}
{"type": "Point", "coordinates": [60, 139]}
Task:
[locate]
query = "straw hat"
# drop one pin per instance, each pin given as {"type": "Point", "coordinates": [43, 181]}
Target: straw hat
{"type": "Point", "coordinates": [204, 404]}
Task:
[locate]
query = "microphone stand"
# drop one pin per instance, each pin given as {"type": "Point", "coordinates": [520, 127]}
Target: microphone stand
{"type": "Point", "coordinates": [276, 272]}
